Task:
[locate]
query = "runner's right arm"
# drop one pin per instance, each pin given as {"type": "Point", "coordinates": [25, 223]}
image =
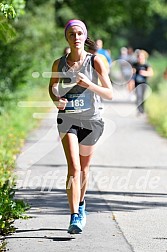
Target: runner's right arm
{"type": "Point", "coordinates": [53, 88]}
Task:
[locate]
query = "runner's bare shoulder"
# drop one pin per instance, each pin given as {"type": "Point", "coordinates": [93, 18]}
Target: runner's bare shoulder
{"type": "Point", "coordinates": [55, 65]}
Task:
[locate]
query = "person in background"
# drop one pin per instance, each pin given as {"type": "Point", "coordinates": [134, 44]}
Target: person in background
{"type": "Point", "coordinates": [125, 68]}
{"type": "Point", "coordinates": [165, 74]}
{"type": "Point", "coordinates": [103, 51]}
{"type": "Point", "coordinates": [131, 57]}
{"type": "Point", "coordinates": [123, 53]}
{"type": "Point", "coordinates": [142, 70]}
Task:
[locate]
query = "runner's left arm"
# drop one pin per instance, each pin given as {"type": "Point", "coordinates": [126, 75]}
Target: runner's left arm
{"type": "Point", "coordinates": [105, 90]}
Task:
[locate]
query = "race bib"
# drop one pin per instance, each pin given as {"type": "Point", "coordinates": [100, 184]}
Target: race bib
{"type": "Point", "coordinates": [78, 102]}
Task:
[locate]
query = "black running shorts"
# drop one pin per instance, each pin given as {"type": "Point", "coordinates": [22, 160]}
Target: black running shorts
{"type": "Point", "coordinates": [87, 131]}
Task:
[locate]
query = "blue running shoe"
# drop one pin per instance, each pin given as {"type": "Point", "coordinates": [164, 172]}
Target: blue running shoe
{"type": "Point", "coordinates": [75, 225]}
{"type": "Point", "coordinates": [82, 214]}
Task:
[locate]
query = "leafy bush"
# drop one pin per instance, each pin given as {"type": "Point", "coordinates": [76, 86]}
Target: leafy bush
{"type": "Point", "coordinates": [10, 208]}
{"type": "Point", "coordinates": [3, 245]}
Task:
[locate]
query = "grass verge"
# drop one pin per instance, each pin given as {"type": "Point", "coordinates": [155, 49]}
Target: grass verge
{"type": "Point", "coordinates": [16, 122]}
{"type": "Point", "coordinates": [156, 105]}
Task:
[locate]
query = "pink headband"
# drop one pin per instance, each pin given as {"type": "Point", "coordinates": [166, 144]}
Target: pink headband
{"type": "Point", "coordinates": [79, 23]}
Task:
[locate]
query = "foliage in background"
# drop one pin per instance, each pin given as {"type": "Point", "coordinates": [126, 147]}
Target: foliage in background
{"type": "Point", "coordinates": [133, 22]}
{"type": "Point", "coordinates": [33, 50]}
{"type": "Point", "coordinates": [35, 43]}
{"type": "Point", "coordinates": [10, 10]}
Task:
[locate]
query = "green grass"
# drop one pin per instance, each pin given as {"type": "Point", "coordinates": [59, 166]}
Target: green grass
{"type": "Point", "coordinates": [15, 123]}
{"type": "Point", "coordinates": [159, 64]}
{"type": "Point", "coordinates": [156, 105]}
{"type": "Point", "coordinates": [156, 108]}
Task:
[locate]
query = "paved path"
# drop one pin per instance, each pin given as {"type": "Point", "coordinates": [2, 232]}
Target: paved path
{"type": "Point", "coordinates": [126, 198]}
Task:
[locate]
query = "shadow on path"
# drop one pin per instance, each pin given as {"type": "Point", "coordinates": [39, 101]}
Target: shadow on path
{"type": "Point", "coordinates": [163, 167]}
{"type": "Point", "coordinates": [42, 237]}
{"type": "Point", "coordinates": [55, 201]}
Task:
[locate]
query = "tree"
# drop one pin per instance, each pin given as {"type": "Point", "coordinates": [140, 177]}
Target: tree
{"type": "Point", "coordinates": [9, 10]}
{"type": "Point", "coordinates": [114, 19]}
